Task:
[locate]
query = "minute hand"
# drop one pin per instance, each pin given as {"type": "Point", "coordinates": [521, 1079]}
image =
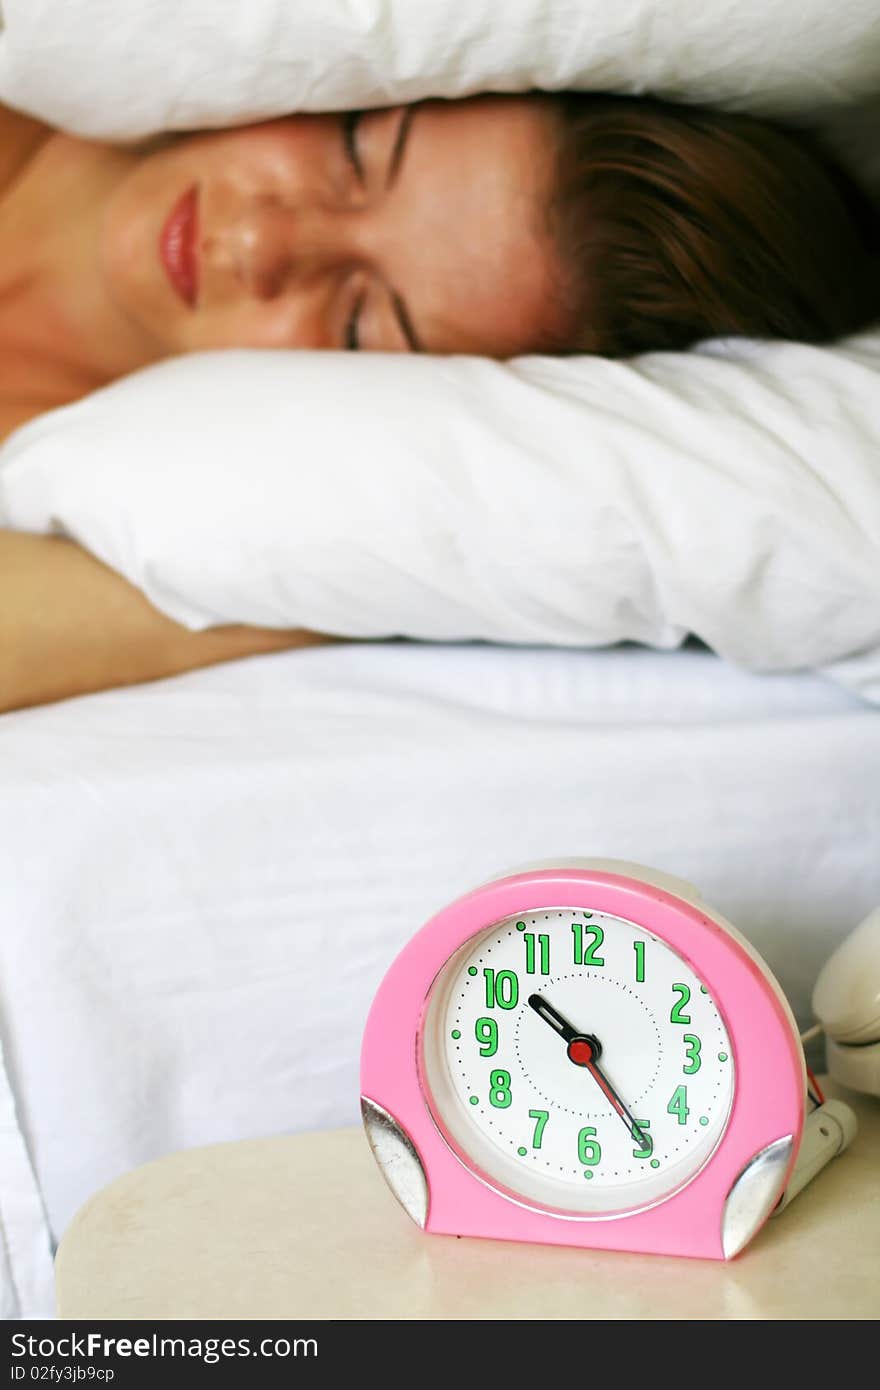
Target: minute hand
{"type": "Point", "coordinates": [584, 1049]}
{"type": "Point", "coordinates": [582, 1053]}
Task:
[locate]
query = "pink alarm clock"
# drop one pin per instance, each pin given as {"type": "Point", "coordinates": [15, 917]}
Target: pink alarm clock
{"type": "Point", "coordinates": [583, 1053]}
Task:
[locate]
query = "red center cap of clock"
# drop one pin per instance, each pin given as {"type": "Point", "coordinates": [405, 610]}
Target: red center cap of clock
{"type": "Point", "coordinates": [580, 1051]}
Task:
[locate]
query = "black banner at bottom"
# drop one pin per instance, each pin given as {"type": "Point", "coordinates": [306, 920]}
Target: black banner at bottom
{"type": "Point", "coordinates": [126, 1355]}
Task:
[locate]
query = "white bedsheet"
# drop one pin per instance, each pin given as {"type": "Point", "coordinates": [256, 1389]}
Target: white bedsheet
{"type": "Point", "coordinates": [203, 880]}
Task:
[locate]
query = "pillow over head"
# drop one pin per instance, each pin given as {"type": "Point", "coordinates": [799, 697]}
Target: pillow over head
{"type": "Point", "coordinates": [119, 69]}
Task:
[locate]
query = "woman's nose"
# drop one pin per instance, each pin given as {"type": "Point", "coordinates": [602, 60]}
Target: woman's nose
{"type": "Point", "coordinates": [270, 244]}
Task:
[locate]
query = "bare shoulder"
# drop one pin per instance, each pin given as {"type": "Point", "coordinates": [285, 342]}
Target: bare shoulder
{"type": "Point", "coordinates": [20, 138]}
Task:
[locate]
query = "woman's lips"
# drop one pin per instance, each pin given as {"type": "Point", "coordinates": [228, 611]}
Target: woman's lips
{"type": "Point", "coordinates": [178, 247]}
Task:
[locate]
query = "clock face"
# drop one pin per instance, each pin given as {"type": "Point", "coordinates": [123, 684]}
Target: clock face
{"type": "Point", "coordinates": [575, 1061]}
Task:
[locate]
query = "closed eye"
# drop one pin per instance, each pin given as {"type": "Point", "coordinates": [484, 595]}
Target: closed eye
{"type": "Point", "coordinates": [350, 122]}
{"type": "Point", "coordinates": [352, 332]}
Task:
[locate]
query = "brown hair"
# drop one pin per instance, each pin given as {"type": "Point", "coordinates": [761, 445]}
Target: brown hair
{"type": "Point", "coordinates": [678, 223]}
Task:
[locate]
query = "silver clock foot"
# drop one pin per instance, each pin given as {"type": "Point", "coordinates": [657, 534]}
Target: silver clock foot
{"type": "Point", "coordinates": [398, 1158]}
{"type": "Point", "coordinates": [754, 1195]}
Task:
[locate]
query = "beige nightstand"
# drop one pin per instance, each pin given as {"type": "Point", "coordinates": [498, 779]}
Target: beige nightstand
{"type": "Point", "coordinates": [304, 1227]}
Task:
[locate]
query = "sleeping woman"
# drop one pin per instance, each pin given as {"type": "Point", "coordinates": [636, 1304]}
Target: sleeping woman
{"type": "Point", "coordinates": [497, 225]}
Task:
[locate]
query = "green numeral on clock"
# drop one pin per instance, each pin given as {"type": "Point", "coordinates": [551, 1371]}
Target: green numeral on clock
{"type": "Point", "coordinates": [678, 1104]}
{"type": "Point", "coordinates": [501, 989]}
{"type": "Point", "coordinates": [587, 956]}
{"type": "Point", "coordinates": [639, 948]}
{"type": "Point", "coordinates": [589, 1151]}
{"type": "Point", "coordinates": [544, 947]}
{"type": "Point", "coordinates": [499, 1095]}
{"type": "Point", "coordinates": [644, 1126]}
{"type": "Point", "coordinates": [486, 1033]}
{"type": "Point", "coordinates": [692, 1051]}
{"type": "Point", "coordinates": [540, 1117]}
{"type": "Point", "coordinates": [684, 994]}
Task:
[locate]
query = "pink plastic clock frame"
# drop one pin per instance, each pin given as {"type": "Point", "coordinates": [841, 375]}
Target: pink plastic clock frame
{"type": "Point", "coordinates": [768, 1103]}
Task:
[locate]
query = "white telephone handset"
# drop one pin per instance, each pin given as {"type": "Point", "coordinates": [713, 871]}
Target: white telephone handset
{"type": "Point", "coordinates": [846, 1001]}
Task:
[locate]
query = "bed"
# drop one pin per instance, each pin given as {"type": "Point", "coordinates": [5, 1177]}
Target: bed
{"type": "Point", "coordinates": [176, 858]}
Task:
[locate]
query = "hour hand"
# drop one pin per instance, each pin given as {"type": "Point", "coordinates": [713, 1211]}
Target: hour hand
{"type": "Point", "coordinates": [559, 1024]}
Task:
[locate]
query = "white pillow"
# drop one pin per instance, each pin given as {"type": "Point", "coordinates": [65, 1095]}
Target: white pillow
{"type": "Point", "coordinates": [118, 69]}
{"type": "Point", "coordinates": [731, 492]}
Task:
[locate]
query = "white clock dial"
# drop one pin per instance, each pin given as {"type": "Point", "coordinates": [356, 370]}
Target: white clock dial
{"type": "Point", "coordinates": [575, 1060]}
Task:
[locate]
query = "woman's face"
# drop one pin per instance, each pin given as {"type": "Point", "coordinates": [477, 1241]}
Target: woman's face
{"type": "Point", "coordinates": [412, 228]}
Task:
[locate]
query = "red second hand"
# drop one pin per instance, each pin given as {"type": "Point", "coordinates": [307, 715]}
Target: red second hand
{"type": "Point", "coordinates": [582, 1053]}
